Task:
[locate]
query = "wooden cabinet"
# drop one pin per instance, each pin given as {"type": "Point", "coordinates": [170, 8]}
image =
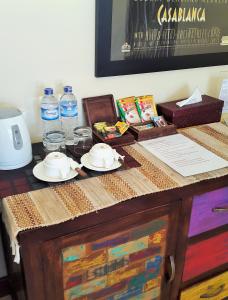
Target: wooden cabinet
{"type": "Point", "coordinates": [206, 255]}
{"type": "Point", "coordinates": [127, 250]}
{"type": "Point", "coordinates": [147, 248]}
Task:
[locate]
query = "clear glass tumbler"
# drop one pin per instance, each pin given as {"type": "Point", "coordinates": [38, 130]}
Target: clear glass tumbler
{"type": "Point", "coordinates": [54, 141]}
{"type": "Point", "coordinates": [83, 139]}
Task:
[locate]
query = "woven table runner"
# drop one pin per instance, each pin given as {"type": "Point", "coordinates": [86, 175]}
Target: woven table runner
{"type": "Point", "coordinates": [67, 201]}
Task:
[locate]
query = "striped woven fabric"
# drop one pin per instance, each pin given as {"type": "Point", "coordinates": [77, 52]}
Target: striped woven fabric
{"type": "Point", "coordinates": [67, 201]}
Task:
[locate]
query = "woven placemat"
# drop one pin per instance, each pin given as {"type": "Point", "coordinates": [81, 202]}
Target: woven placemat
{"type": "Point", "coordinates": [67, 201]}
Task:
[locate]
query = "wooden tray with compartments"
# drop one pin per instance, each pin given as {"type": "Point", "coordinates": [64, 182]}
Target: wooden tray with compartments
{"type": "Point", "coordinates": [151, 133]}
{"type": "Point", "coordinates": [102, 109]}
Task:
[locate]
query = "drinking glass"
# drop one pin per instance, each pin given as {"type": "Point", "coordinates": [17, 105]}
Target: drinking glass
{"type": "Point", "coordinates": [54, 141]}
{"type": "Point", "coordinates": [83, 139]}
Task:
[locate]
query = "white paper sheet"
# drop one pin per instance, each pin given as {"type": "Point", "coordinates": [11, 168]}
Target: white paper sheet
{"type": "Point", "coordinates": [183, 155]}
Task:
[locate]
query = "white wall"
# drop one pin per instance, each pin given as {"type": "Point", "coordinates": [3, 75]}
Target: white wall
{"type": "Point", "coordinates": [51, 43]}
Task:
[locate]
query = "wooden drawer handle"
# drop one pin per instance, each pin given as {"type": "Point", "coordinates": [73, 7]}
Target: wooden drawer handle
{"type": "Point", "coordinates": [214, 293]}
{"type": "Point", "coordinates": [220, 209]}
{"type": "Point", "coordinates": [172, 267]}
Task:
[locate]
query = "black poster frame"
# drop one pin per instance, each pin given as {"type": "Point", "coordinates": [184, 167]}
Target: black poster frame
{"type": "Point", "coordinates": [105, 67]}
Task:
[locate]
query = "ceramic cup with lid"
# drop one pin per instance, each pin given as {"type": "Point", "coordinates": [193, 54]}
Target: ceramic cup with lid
{"type": "Point", "coordinates": [56, 165]}
{"type": "Point", "coordinates": [102, 155]}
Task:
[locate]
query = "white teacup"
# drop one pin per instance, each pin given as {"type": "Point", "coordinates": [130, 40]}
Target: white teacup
{"type": "Point", "coordinates": [56, 165]}
{"type": "Point", "coordinates": [102, 155]}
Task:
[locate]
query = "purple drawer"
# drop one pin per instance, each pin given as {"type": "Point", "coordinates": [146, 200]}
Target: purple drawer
{"type": "Point", "coordinates": [208, 211]}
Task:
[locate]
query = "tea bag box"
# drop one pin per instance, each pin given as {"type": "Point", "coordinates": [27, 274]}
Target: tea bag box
{"type": "Point", "coordinates": [209, 110]}
{"type": "Point", "coordinates": [102, 109]}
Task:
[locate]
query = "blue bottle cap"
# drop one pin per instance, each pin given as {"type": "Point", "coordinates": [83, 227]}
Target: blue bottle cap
{"type": "Point", "coordinates": [67, 89]}
{"type": "Point", "coordinates": [48, 91]}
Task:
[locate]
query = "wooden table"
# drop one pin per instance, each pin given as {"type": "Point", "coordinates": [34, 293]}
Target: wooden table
{"type": "Point", "coordinates": [154, 245]}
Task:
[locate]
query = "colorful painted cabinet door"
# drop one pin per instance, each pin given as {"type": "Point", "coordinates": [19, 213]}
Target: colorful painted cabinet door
{"type": "Point", "coordinates": [121, 266]}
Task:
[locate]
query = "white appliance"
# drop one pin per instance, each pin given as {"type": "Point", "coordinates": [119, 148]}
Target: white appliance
{"type": "Point", "coordinates": [15, 143]}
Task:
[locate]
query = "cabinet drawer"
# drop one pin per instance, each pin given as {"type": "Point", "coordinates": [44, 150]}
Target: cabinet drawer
{"type": "Point", "coordinates": [208, 211]}
{"type": "Point", "coordinates": [205, 255]}
{"type": "Point", "coordinates": [215, 288]}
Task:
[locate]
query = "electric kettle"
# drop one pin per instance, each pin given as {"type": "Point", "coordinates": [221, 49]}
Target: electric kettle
{"type": "Point", "coordinates": [15, 143]}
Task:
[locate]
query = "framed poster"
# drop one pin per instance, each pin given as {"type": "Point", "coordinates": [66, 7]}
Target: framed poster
{"type": "Point", "coordinates": [140, 36]}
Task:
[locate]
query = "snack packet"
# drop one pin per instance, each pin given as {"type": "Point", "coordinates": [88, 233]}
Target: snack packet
{"type": "Point", "coordinates": [146, 107]}
{"type": "Point", "coordinates": [143, 127]}
{"type": "Point", "coordinates": [122, 127]}
{"type": "Point", "coordinates": [107, 131]}
{"type": "Point", "coordinates": [121, 114]}
{"type": "Point", "coordinates": [128, 110]}
{"type": "Point", "coordinates": [112, 132]}
{"type": "Point", "coordinates": [100, 128]}
{"type": "Point", "coordinates": [159, 121]}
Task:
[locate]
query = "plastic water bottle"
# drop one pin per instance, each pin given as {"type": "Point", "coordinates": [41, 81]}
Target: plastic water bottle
{"type": "Point", "coordinates": [68, 114]}
{"type": "Point", "coordinates": [53, 137]}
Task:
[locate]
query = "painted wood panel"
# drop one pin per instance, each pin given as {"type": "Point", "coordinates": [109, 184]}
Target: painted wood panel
{"type": "Point", "coordinates": [215, 288]}
{"type": "Point", "coordinates": [203, 218]}
{"type": "Point", "coordinates": [126, 265]}
{"type": "Point", "coordinates": [205, 255]}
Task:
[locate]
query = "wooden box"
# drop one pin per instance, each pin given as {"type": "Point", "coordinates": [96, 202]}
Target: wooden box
{"type": "Point", "coordinates": [151, 133]}
{"type": "Point", "coordinates": [207, 111]}
{"type": "Point", "coordinates": [102, 109]}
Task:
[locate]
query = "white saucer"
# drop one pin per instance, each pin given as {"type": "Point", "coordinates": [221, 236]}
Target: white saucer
{"type": "Point", "coordinates": [38, 172]}
{"type": "Point", "coordinates": [86, 163]}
